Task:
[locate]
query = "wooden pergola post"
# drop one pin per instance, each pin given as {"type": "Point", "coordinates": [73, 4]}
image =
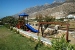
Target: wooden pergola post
{"type": "Point", "coordinates": [67, 33]}
{"type": "Point", "coordinates": [42, 30]}
{"type": "Point", "coordinates": [38, 29]}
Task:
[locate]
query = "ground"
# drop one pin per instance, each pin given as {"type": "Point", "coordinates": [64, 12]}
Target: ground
{"type": "Point", "coordinates": [13, 41]}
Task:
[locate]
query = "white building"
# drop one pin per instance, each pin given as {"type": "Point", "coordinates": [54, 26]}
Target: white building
{"type": "Point", "coordinates": [71, 16]}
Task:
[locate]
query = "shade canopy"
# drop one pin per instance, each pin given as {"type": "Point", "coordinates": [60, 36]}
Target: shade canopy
{"type": "Point", "coordinates": [23, 14]}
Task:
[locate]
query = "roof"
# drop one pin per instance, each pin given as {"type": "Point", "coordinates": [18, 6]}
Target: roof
{"type": "Point", "coordinates": [23, 14]}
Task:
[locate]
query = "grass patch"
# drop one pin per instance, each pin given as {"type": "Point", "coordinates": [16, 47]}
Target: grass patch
{"type": "Point", "coordinates": [11, 41]}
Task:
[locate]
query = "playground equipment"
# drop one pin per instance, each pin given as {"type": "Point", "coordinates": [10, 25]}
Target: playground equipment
{"type": "Point", "coordinates": [31, 28]}
{"type": "Point", "coordinates": [23, 23]}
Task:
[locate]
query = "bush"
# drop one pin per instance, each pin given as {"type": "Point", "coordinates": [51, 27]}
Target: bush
{"type": "Point", "coordinates": [17, 32]}
{"type": "Point", "coordinates": [7, 25]}
{"type": "Point", "coordinates": [11, 28]}
{"type": "Point", "coordinates": [61, 44]}
{"type": "Point", "coordinates": [31, 39]}
{"type": "Point", "coordinates": [39, 44]}
{"type": "Point", "coordinates": [9, 20]}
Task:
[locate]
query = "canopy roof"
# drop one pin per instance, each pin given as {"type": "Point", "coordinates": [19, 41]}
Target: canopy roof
{"type": "Point", "coordinates": [23, 14]}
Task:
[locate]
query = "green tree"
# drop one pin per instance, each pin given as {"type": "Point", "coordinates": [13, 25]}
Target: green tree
{"type": "Point", "coordinates": [9, 20]}
{"type": "Point", "coordinates": [49, 19]}
{"type": "Point", "coordinates": [39, 17]}
{"type": "Point", "coordinates": [1, 22]}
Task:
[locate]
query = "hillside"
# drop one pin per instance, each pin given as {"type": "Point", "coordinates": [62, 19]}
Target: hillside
{"type": "Point", "coordinates": [33, 10]}
{"type": "Point", "coordinates": [60, 11]}
{"type": "Point", "coordinates": [54, 9]}
{"type": "Point", "coordinates": [41, 7]}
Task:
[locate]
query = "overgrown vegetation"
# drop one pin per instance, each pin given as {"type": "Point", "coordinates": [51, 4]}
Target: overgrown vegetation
{"type": "Point", "coordinates": [9, 21]}
{"type": "Point", "coordinates": [49, 19]}
{"type": "Point", "coordinates": [40, 18]}
{"type": "Point", "coordinates": [61, 44]}
{"type": "Point", "coordinates": [1, 22]}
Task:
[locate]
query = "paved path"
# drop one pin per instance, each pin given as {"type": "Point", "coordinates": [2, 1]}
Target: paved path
{"type": "Point", "coordinates": [30, 34]}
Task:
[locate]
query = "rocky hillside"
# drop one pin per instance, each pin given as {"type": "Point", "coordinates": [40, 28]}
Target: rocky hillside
{"type": "Point", "coordinates": [54, 9]}
{"type": "Point", "coordinates": [41, 7]}
{"type": "Point", "coordinates": [33, 10]}
{"type": "Point", "coordinates": [61, 10]}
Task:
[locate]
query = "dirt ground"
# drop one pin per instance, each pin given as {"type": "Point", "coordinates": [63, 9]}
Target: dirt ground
{"type": "Point", "coordinates": [72, 38]}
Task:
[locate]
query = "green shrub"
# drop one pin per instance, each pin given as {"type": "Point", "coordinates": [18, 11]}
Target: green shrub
{"type": "Point", "coordinates": [17, 32]}
{"type": "Point", "coordinates": [7, 25]}
{"type": "Point", "coordinates": [61, 44]}
{"type": "Point", "coordinates": [11, 28]}
{"type": "Point", "coordinates": [31, 39]}
{"type": "Point", "coordinates": [39, 44]}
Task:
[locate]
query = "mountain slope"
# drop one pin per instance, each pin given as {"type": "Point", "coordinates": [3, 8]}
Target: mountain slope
{"type": "Point", "coordinates": [54, 9]}
{"type": "Point", "coordinates": [35, 9]}
{"type": "Point", "coordinates": [59, 11]}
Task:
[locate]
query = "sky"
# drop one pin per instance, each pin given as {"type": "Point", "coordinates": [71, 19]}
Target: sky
{"type": "Point", "coordinates": [11, 7]}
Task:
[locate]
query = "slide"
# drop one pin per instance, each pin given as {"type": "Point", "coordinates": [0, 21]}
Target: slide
{"type": "Point", "coordinates": [31, 28]}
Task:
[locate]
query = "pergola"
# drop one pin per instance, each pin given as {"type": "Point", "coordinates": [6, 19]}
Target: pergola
{"type": "Point", "coordinates": [59, 23]}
